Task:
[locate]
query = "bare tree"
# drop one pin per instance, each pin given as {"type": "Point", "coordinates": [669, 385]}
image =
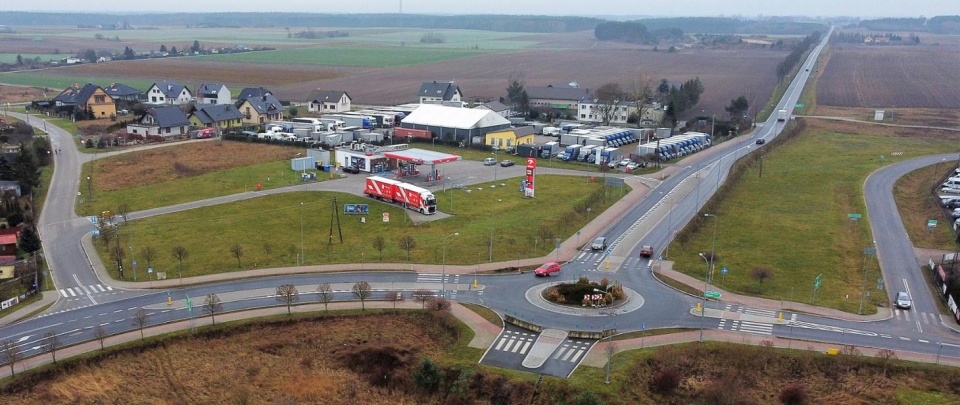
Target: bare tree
{"type": "Point", "coordinates": [237, 251]}
{"type": "Point", "coordinates": [545, 233]}
{"type": "Point", "coordinates": [422, 296]}
{"type": "Point", "coordinates": [140, 319]}
{"type": "Point", "coordinates": [325, 294]}
{"type": "Point", "coordinates": [105, 229]}
{"type": "Point", "coordinates": [287, 294]}
{"type": "Point", "coordinates": [117, 254]}
{"type": "Point", "coordinates": [761, 273]}
{"type": "Point", "coordinates": [886, 356]}
{"type": "Point", "coordinates": [440, 304]}
{"type": "Point", "coordinates": [10, 354]}
{"type": "Point", "coordinates": [408, 243]}
{"type": "Point", "coordinates": [51, 344]}
{"type": "Point", "coordinates": [379, 243]}
{"type": "Point", "coordinates": [212, 306]}
{"type": "Point", "coordinates": [148, 253]}
{"type": "Point", "coordinates": [100, 334]}
{"type": "Point", "coordinates": [124, 210]}
{"type": "Point", "coordinates": [393, 296]}
{"type": "Point", "coordinates": [608, 98]}
{"type": "Point", "coordinates": [362, 291]}
{"type": "Point", "coordinates": [180, 253]}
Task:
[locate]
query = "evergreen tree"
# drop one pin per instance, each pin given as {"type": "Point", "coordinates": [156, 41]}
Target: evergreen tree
{"type": "Point", "coordinates": [25, 170]}
{"type": "Point", "coordinates": [29, 240]}
{"type": "Point", "coordinates": [6, 171]}
{"type": "Point", "coordinates": [128, 53]}
{"type": "Point", "coordinates": [173, 50]}
{"type": "Point", "coordinates": [163, 48]}
{"type": "Point", "coordinates": [195, 47]}
{"type": "Point", "coordinates": [19, 60]}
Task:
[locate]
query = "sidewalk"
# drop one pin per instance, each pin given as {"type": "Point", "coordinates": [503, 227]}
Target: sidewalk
{"type": "Point", "coordinates": [21, 311]}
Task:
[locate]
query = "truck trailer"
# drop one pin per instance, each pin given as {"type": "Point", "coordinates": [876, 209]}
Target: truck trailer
{"type": "Point", "coordinates": [408, 195]}
{"type": "Point", "coordinates": [782, 115]}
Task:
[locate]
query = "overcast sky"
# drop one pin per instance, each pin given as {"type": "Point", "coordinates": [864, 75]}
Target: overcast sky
{"type": "Point", "coordinates": [748, 8]}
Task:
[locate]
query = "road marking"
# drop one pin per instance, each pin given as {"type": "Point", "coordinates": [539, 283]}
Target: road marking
{"type": "Point", "coordinates": [104, 324]}
{"type": "Point", "coordinates": [904, 338]}
{"type": "Point", "coordinates": [526, 345]}
{"type": "Point", "coordinates": [919, 328]}
{"type": "Point", "coordinates": [131, 308]}
{"type": "Point", "coordinates": [577, 356]}
{"type": "Point", "coordinates": [64, 294]}
{"type": "Point", "coordinates": [923, 341]}
{"type": "Point", "coordinates": [118, 311]}
{"type": "Point", "coordinates": [72, 294]}
{"type": "Point", "coordinates": [85, 290]}
{"type": "Point", "coordinates": [103, 314]}
{"type": "Point", "coordinates": [24, 338]}
{"type": "Point", "coordinates": [88, 317]}
{"type": "Point", "coordinates": [500, 344]}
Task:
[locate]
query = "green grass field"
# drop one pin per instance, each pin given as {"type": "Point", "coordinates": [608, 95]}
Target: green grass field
{"type": "Point", "coordinates": [268, 229]}
{"type": "Point", "coordinates": [44, 57]}
{"type": "Point", "coordinates": [233, 181]}
{"type": "Point", "coordinates": [366, 57]}
{"type": "Point", "coordinates": [50, 79]}
{"type": "Point", "coordinates": [794, 221]}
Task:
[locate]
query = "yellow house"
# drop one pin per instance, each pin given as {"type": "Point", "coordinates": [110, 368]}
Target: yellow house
{"type": "Point", "coordinates": [259, 106]}
{"type": "Point", "coordinates": [215, 115]}
{"type": "Point", "coordinates": [91, 98]}
{"type": "Point", "coordinates": [7, 267]}
{"type": "Point", "coordinates": [510, 138]}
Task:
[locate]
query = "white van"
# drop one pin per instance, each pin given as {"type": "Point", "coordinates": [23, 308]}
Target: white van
{"type": "Point", "coordinates": [952, 182]}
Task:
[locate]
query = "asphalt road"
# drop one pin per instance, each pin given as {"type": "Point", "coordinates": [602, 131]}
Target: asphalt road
{"type": "Point", "coordinates": [673, 202]}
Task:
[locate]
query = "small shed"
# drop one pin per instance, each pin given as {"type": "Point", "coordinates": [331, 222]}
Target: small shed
{"type": "Point", "coordinates": [303, 164]}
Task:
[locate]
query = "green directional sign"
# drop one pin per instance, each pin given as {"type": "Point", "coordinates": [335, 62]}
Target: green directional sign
{"type": "Point", "coordinates": [799, 105]}
{"type": "Point", "coordinates": [712, 294]}
{"type": "Point", "coordinates": [932, 223]}
{"type": "Point", "coordinates": [854, 216]}
{"type": "Point", "coordinates": [818, 281]}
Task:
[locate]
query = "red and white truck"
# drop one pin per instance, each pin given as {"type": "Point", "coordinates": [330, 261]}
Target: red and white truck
{"type": "Point", "coordinates": [406, 194]}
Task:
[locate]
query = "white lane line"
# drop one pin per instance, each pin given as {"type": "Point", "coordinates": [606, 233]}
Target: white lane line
{"type": "Point", "coordinates": [919, 328]}
{"type": "Point", "coordinates": [118, 311]}
{"type": "Point", "coordinates": [131, 308]}
{"type": "Point", "coordinates": [923, 341]}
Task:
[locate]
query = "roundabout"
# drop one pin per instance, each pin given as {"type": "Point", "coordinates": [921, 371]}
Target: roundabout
{"type": "Point", "coordinates": [632, 301]}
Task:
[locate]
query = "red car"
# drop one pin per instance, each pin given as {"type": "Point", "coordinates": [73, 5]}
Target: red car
{"type": "Point", "coordinates": [547, 269]}
{"type": "Point", "coordinates": [646, 251]}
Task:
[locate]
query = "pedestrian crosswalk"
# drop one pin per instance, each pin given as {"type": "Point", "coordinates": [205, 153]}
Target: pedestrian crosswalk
{"type": "Point", "coordinates": [571, 351]}
{"type": "Point", "coordinates": [515, 342]}
{"type": "Point", "coordinates": [752, 326]}
{"type": "Point", "coordinates": [915, 316]}
{"type": "Point", "coordinates": [437, 278]}
{"type": "Point", "coordinates": [71, 292]}
{"type": "Point", "coordinates": [590, 257]}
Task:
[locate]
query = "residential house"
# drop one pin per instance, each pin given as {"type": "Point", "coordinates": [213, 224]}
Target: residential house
{"type": "Point", "coordinates": [215, 115]}
{"type": "Point", "coordinates": [8, 240]}
{"type": "Point", "coordinates": [438, 92]}
{"type": "Point", "coordinates": [496, 107]}
{"type": "Point", "coordinates": [8, 267]}
{"type": "Point", "coordinates": [558, 98]}
{"type": "Point", "coordinates": [329, 101]}
{"type": "Point", "coordinates": [261, 109]}
{"type": "Point", "coordinates": [213, 93]}
{"type": "Point", "coordinates": [164, 121]}
{"type": "Point", "coordinates": [120, 91]}
{"type": "Point", "coordinates": [251, 92]}
{"type": "Point", "coordinates": [510, 138]}
{"type": "Point", "coordinates": [589, 110]}
{"type": "Point", "coordinates": [72, 61]}
{"type": "Point", "coordinates": [169, 93]}
{"type": "Point", "coordinates": [90, 100]}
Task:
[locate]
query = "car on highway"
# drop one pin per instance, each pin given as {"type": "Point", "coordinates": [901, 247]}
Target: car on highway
{"type": "Point", "coordinates": [761, 141]}
{"type": "Point", "coordinates": [489, 161]}
{"type": "Point", "coordinates": [903, 300]}
{"type": "Point", "coordinates": [599, 244]}
{"type": "Point", "coordinates": [646, 251]}
{"type": "Point", "coordinates": [547, 269]}
{"type": "Point", "coordinates": [506, 163]}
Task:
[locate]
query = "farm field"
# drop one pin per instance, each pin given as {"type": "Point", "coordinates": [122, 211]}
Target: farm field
{"type": "Point", "coordinates": [285, 359]}
{"type": "Point", "coordinates": [890, 77]}
{"type": "Point", "coordinates": [268, 228]}
{"type": "Point", "coordinates": [19, 94]}
{"type": "Point", "coordinates": [183, 173]}
{"type": "Point", "coordinates": [797, 214]}
{"type": "Point", "coordinates": [935, 117]}
{"type": "Point", "coordinates": [390, 75]}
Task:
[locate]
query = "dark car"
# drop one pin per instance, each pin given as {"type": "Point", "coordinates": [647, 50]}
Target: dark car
{"type": "Point", "coordinates": [646, 251]}
{"type": "Point", "coordinates": [351, 169]}
{"type": "Point", "coordinates": [506, 163]}
{"type": "Point", "coordinates": [761, 141]}
{"type": "Point", "coordinates": [599, 244]}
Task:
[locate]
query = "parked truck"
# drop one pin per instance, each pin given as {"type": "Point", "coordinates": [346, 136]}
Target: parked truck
{"type": "Point", "coordinates": [782, 115]}
{"type": "Point", "coordinates": [550, 149]}
{"type": "Point", "coordinates": [408, 195]}
{"type": "Point", "coordinates": [572, 152]}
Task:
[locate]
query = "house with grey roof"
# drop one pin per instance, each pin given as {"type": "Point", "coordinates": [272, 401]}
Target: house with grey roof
{"type": "Point", "coordinates": [562, 97]}
{"type": "Point", "coordinates": [329, 101]}
{"type": "Point", "coordinates": [168, 122]}
{"type": "Point", "coordinates": [252, 92]}
{"type": "Point", "coordinates": [439, 92]}
{"type": "Point", "coordinates": [120, 91]}
{"type": "Point", "coordinates": [260, 110]}
{"type": "Point", "coordinates": [215, 115]}
{"type": "Point", "coordinates": [169, 93]}
{"type": "Point", "coordinates": [87, 102]}
{"type": "Point", "coordinates": [496, 107]}
{"type": "Point", "coordinates": [213, 93]}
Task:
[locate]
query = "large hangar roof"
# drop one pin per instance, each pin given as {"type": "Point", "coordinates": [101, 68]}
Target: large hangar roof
{"type": "Point", "coordinates": [454, 117]}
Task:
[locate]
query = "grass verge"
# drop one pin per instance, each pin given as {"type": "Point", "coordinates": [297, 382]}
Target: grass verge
{"type": "Point", "coordinates": [917, 203]}
{"type": "Point", "coordinates": [793, 220]}
{"type": "Point", "coordinates": [485, 312]}
{"type": "Point", "coordinates": [268, 229]}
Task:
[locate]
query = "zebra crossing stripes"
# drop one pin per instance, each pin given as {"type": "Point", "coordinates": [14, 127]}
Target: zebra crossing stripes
{"type": "Point", "coordinates": [757, 328]}
{"type": "Point", "coordinates": [571, 351]}
{"type": "Point", "coordinates": [515, 342]}
{"type": "Point", "coordinates": [769, 313]}
{"type": "Point", "coordinates": [434, 278]}
{"type": "Point", "coordinates": [906, 315]}
{"type": "Point", "coordinates": [71, 292]}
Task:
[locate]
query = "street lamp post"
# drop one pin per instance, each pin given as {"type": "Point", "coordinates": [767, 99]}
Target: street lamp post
{"type": "Point", "coordinates": [496, 157]}
{"type": "Point", "coordinates": [713, 247]}
{"type": "Point", "coordinates": [89, 193]}
{"type": "Point", "coordinates": [443, 277]}
{"type": "Point", "coordinates": [558, 249]}
{"type": "Point", "coordinates": [301, 234]}
{"type": "Point", "coordinates": [703, 306]}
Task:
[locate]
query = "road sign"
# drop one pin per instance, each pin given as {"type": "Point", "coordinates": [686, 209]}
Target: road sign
{"type": "Point", "coordinates": [869, 251]}
{"type": "Point", "coordinates": [93, 219]}
{"type": "Point", "coordinates": [818, 281]}
{"type": "Point", "coordinates": [723, 270]}
{"type": "Point", "coordinates": [932, 223]}
{"type": "Point", "coordinates": [149, 269]}
{"type": "Point", "coordinates": [712, 294]}
{"type": "Point", "coordinates": [853, 216]}
{"type": "Point", "coordinates": [879, 283]}
{"type": "Point", "coordinates": [799, 105]}
{"type": "Point", "coordinates": [96, 232]}
{"type": "Point", "coordinates": [643, 326]}
{"type": "Point", "coordinates": [134, 263]}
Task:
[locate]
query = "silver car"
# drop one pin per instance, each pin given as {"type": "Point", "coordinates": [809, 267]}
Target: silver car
{"type": "Point", "coordinates": [903, 300]}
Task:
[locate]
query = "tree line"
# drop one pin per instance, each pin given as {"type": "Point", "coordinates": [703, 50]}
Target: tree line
{"type": "Point", "coordinates": [858, 38]}
{"type": "Point", "coordinates": [791, 61]}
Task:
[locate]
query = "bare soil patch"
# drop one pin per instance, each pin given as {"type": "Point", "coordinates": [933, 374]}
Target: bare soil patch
{"type": "Point", "coordinates": [175, 162]}
{"type": "Point", "coordinates": [935, 117]}
{"type": "Point", "coordinates": [891, 77]}
{"type": "Point", "coordinates": [18, 94]}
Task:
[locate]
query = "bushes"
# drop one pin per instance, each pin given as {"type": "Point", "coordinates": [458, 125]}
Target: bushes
{"type": "Point", "coordinates": [570, 293]}
{"type": "Point", "coordinates": [794, 394]}
{"type": "Point", "coordinates": [666, 381]}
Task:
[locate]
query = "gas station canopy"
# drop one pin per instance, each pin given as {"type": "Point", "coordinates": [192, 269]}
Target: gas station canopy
{"type": "Point", "coordinates": [421, 156]}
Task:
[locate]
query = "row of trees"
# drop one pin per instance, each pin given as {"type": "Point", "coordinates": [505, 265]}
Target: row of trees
{"type": "Point", "coordinates": [858, 38]}
{"type": "Point", "coordinates": [793, 59]}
